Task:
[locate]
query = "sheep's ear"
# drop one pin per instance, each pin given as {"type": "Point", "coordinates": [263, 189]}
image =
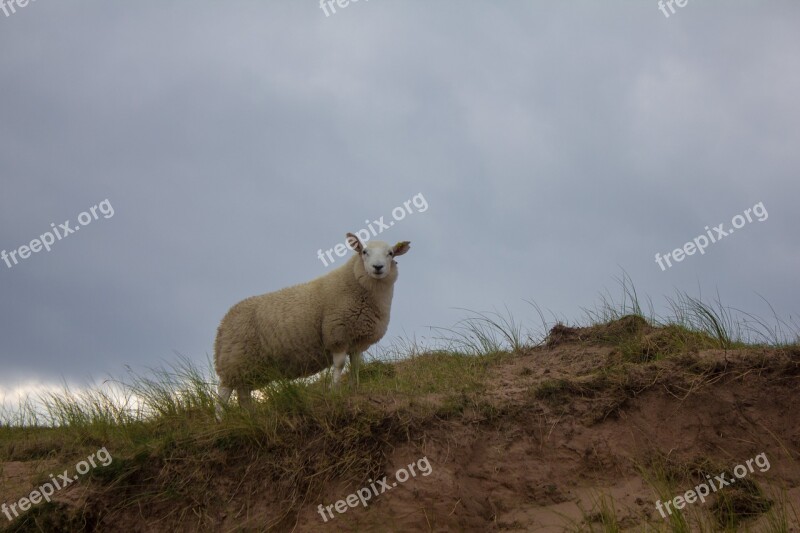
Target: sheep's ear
{"type": "Point", "coordinates": [354, 243]}
{"type": "Point", "coordinates": [401, 247]}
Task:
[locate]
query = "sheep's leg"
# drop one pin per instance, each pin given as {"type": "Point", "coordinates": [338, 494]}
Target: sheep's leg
{"type": "Point", "coordinates": [245, 399]}
{"type": "Point", "coordinates": [223, 395]}
{"type": "Point", "coordinates": [355, 363]}
{"type": "Point", "coordinates": [338, 364]}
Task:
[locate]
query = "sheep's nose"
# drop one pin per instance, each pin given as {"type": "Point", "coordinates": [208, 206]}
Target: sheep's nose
{"type": "Point", "coordinates": [377, 268]}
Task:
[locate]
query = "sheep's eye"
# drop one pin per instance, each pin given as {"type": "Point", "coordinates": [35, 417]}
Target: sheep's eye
{"type": "Point", "coordinates": [364, 252]}
{"type": "Point", "coordinates": [391, 254]}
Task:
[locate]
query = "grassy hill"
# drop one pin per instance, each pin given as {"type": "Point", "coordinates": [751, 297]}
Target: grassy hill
{"type": "Point", "coordinates": [585, 429]}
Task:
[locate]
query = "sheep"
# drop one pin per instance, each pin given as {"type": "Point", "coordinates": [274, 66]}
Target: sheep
{"type": "Point", "coordinates": [297, 331]}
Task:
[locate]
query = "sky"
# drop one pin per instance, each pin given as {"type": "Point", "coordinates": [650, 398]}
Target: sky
{"type": "Point", "coordinates": [540, 149]}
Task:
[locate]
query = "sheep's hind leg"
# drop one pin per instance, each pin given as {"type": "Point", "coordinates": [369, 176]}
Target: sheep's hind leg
{"type": "Point", "coordinates": [355, 363]}
{"type": "Point", "coordinates": [245, 399]}
{"type": "Point", "coordinates": [338, 364]}
{"type": "Point", "coordinates": [223, 395]}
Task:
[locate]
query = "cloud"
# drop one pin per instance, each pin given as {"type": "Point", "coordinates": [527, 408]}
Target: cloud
{"type": "Point", "coordinates": [554, 143]}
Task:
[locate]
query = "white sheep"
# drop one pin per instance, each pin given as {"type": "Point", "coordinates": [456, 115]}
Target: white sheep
{"type": "Point", "coordinates": [297, 331]}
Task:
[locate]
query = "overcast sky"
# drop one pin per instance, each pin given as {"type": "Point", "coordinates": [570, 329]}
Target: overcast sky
{"type": "Point", "coordinates": [552, 144]}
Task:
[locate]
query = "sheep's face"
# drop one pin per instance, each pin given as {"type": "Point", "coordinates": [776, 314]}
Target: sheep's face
{"type": "Point", "coordinates": [377, 256]}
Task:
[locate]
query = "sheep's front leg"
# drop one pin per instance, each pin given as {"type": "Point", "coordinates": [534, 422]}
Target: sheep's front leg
{"type": "Point", "coordinates": [355, 363]}
{"type": "Point", "coordinates": [224, 394]}
{"type": "Point", "coordinates": [338, 364]}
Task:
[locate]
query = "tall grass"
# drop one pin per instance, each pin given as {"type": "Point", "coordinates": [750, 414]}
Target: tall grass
{"type": "Point", "coordinates": [779, 333]}
{"type": "Point", "coordinates": [166, 415]}
{"type": "Point", "coordinates": [728, 325]}
{"type": "Point", "coordinates": [483, 333]}
{"type": "Point", "coordinates": [609, 308]}
{"type": "Point", "coordinates": [183, 387]}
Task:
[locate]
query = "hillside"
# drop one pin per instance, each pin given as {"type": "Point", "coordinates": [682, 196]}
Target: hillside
{"type": "Point", "coordinates": [584, 432]}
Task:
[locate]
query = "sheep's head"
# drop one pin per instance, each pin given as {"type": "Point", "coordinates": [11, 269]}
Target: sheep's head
{"type": "Point", "coordinates": [377, 256]}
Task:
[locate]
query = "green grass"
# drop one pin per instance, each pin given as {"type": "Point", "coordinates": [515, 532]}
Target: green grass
{"type": "Point", "coordinates": [160, 427]}
{"type": "Point", "coordinates": [161, 431]}
{"type": "Point", "coordinates": [605, 515]}
{"type": "Point", "coordinates": [730, 327]}
{"type": "Point", "coordinates": [485, 333]}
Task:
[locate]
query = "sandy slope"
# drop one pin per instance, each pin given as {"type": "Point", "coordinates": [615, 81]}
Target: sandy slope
{"type": "Point", "coordinates": [552, 437]}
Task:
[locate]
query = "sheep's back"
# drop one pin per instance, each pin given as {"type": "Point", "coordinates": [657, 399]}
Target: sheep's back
{"type": "Point", "coordinates": [289, 330]}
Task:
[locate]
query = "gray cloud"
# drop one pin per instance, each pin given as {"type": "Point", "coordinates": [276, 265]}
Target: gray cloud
{"type": "Point", "coordinates": [554, 144]}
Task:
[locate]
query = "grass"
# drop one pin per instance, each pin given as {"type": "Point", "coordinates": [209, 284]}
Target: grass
{"type": "Point", "coordinates": [484, 334]}
{"type": "Point", "coordinates": [161, 431]}
{"type": "Point", "coordinates": [731, 508]}
{"type": "Point", "coordinates": [163, 434]}
{"type": "Point", "coordinates": [730, 327]}
{"type": "Point", "coordinates": [603, 516]}
{"type": "Point", "coordinates": [738, 504]}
